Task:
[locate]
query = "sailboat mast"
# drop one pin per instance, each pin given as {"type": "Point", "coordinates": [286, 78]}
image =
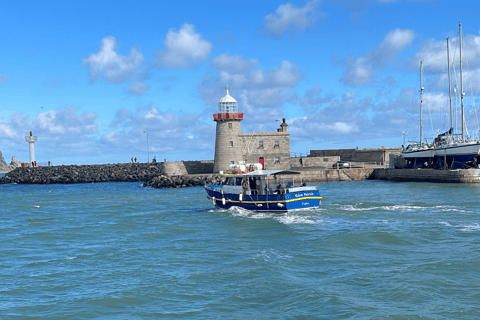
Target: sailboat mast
{"type": "Point", "coordinates": [461, 82]}
{"type": "Point", "coordinates": [449, 85]}
{"type": "Point", "coordinates": [421, 100]}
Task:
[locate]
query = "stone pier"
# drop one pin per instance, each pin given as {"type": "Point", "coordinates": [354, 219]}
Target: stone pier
{"type": "Point", "coordinates": [428, 175]}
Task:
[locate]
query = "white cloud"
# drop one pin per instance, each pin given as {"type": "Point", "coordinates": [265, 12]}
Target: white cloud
{"type": "Point", "coordinates": [60, 132]}
{"type": "Point", "coordinates": [259, 92]}
{"type": "Point", "coordinates": [289, 17]}
{"type": "Point", "coordinates": [434, 54]}
{"type": "Point", "coordinates": [361, 70]}
{"type": "Point", "coordinates": [109, 64]}
{"type": "Point", "coordinates": [313, 98]}
{"type": "Point", "coordinates": [138, 88]}
{"type": "Point", "coordinates": [168, 131]}
{"type": "Point", "coordinates": [4, 78]}
{"type": "Point", "coordinates": [184, 48]}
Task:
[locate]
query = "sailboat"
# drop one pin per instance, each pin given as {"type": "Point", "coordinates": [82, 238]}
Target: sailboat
{"type": "Point", "coordinates": [453, 151]}
{"type": "Point", "coordinates": [418, 154]}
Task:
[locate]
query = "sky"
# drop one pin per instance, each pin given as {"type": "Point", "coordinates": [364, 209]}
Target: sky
{"type": "Point", "coordinates": [105, 81]}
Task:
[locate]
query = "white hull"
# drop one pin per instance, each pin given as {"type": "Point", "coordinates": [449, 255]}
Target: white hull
{"type": "Point", "coordinates": [466, 148]}
{"type": "Point", "coordinates": [422, 153]}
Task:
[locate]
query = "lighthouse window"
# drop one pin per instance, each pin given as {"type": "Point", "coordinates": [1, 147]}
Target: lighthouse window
{"type": "Point", "coordinates": [277, 160]}
{"type": "Point", "coordinates": [232, 162]}
{"type": "Point", "coordinates": [276, 145]}
{"type": "Point", "coordinates": [260, 144]}
{"type": "Point", "coordinates": [229, 125]}
{"type": "Point", "coordinates": [231, 144]}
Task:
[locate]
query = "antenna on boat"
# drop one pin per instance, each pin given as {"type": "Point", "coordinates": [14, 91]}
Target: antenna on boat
{"type": "Point", "coordinates": [461, 81]}
{"type": "Point", "coordinates": [449, 85]}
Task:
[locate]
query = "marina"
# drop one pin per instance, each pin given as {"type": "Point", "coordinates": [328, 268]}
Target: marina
{"type": "Point", "coordinates": [448, 150]}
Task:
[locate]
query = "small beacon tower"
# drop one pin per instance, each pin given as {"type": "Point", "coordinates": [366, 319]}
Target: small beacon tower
{"type": "Point", "coordinates": [31, 140]}
{"type": "Point", "coordinates": [227, 148]}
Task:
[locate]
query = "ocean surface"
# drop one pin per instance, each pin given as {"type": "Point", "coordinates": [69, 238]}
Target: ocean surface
{"type": "Point", "coordinates": [373, 250]}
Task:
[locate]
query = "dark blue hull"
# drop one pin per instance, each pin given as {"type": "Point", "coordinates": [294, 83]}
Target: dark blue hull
{"type": "Point", "coordinates": [414, 163]}
{"type": "Point", "coordinates": [456, 161]}
{"type": "Point", "coordinates": [277, 203]}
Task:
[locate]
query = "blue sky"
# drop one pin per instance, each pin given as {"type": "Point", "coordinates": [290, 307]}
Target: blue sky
{"type": "Point", "coordinates": [90, 77]}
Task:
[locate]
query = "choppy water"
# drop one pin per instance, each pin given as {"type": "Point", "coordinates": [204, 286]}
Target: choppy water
{"type": "Point", "coordinates": [374, 250]}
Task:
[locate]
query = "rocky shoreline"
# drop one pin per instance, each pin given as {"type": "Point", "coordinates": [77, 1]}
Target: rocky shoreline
{"type": "Point", "coordinates": [149, 173]}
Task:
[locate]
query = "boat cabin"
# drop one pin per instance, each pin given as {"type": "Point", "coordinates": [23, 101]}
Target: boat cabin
{"type": "Point", "coordinates": [264, 182]}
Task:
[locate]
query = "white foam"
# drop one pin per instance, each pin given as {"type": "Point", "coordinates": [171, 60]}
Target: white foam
{"type": "Point", "coordinates": [295, 219]}
{"type": "Point", "coordinates": [445, 223]}
{"type": "Point", "coordinates": [471, 228]}
{"type": "Point", "coordinates": [351, 207]}
{"type": "Point", "coordinates": [71, 258]}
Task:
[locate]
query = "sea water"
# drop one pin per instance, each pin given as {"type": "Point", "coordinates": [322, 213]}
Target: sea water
{"type": "Point", "coordinates": [373, 250]}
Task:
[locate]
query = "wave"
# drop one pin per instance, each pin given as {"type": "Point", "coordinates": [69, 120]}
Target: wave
{"type": "Point", "coordinates": [395, 207]}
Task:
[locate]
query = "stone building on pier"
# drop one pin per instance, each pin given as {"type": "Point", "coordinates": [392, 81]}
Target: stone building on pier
{"type": "Point", "coordinates": [232, 146]}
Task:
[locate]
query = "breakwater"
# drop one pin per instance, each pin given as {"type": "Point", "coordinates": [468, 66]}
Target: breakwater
{"type": "Point", "coordinates": [151, 174]}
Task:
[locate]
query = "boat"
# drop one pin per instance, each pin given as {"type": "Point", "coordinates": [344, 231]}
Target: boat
{"type": "Point", "coordinates": [448, 150]}
{"type": "Point", "coordinates": [418, 154]}
{"type": "Point", "coordinates": [273, 191]}
{"type": "Point", "coordinates": [455, 151]}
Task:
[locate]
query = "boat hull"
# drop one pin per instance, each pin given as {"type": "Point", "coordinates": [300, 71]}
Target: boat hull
{"type": "Point", "coordinates": [457, 155]}
{"type": "Point", "coordinates": [276, 203]}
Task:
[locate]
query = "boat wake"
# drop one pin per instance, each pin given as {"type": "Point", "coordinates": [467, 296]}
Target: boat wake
{"type": "Point", "coordinates": [300, 216]}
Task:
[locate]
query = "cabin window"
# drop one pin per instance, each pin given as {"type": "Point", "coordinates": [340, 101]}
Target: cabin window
{"type": "Point", "coordinates": [231, 144]}
{"type": "Point", "coordinates": [260, 144]}
{"type": "Point", "coordinates": [238, 181]}
{"type": "Point", "coordinates": [229, 125]}
{"type": "Point", "coordinates": [230, 182]}
{"type": "Point", "coordinates": [276, 145]}
{"type": "Point", "coordinates": [277, 159]}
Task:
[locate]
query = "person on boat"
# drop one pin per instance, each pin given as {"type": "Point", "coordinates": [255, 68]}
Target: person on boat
{"type": "Point", "coordinates": [253, 185]}
{"type": "Point", "coordinates": [279, 189]}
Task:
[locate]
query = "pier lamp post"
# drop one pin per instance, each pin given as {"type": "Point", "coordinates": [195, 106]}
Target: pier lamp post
{"type": "Point", "coordinates": [404, 133]}
{"type": "Point", "coordinates": [148, 155]}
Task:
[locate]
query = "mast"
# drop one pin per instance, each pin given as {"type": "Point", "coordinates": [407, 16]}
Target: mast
{"type": "Point", "coordinates": [461, 82]}
{"type": "Point", "coordinates": [421, 100]}
{"type": "Point", "coordinates": [449, 85]}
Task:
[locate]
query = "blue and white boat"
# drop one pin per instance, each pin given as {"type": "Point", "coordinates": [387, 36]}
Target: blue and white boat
{"type": "Point", "coordinates": [264, 191]}
{"type": "Point", "coordinates": [454, 151]}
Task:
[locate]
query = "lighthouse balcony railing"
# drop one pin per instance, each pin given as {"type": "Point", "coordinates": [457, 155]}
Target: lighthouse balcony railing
{"type": "Point", "coordinates": [228, 116]}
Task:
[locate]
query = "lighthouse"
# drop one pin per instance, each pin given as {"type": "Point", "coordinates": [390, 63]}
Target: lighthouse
{"type": "Point", "coordinates": [31, 139]}
{"type": "Point", "coordinates": [227, 148]}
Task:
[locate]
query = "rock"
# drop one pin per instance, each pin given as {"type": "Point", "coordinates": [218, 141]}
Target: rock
{"type": "Point", "coordinates": [150, 174]}
{"type": "Point", "coordinates": [15, 163]}
{"type": "Point", "coordinates": [2, 160]}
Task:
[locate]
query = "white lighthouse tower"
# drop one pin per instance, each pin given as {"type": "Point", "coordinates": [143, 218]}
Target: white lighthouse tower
{"type": "Point", "coordinates": [227, 148]}
{"type": "Point", "coordinates": [31, 140]}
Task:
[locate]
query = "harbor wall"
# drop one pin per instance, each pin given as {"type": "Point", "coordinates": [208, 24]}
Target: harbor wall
{"type": "Point", "coordinates": [329, 175]}
{"type": "Point", "coordinates": [428, 175]}
{"type": "Point", "coordinates": [379, 155]}
{"type": "Point", "coordinates": [313, 162]}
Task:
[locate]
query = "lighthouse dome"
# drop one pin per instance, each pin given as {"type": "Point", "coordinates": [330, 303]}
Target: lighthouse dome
{"type": "Point", "coordinates": [227, 104]}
